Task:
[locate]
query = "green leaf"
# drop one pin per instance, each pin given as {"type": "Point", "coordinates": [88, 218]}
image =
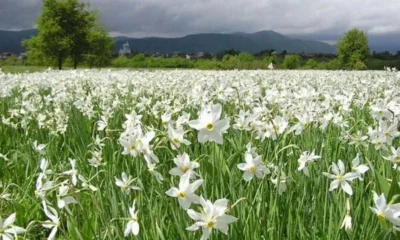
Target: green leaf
{"type": "Point", "coordinates": [394, 188]}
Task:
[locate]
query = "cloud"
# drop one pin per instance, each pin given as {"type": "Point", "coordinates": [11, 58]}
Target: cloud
{"type": "Point", "coordinates": [170, 18]}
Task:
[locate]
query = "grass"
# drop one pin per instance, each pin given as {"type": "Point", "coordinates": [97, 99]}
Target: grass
{"type": "Point", "coordinates": [22, 69]}
{"type": "Point", "coordinates": [307, 210]}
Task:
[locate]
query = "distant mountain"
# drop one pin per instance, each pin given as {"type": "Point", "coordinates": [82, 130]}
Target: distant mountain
{"type": "Point", "coordinates": [377, 42]}
{"type": "Point", "coordinates": [10, 41]}
{"type": "Point", "coordinates": [216, 42]}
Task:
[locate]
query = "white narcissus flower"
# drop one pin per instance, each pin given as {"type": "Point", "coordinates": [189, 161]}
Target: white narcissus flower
{"type": "Point", "coordinates": [384, 211]}
{"type": "Point", "coordinates": [253, 166]}
{"type": "Point", "coordinates": [63, 200]}
{"type": "Point", "coordinates": [209, 125]}
{"type": "Point", "coordinates": [185, 192]}
{"type": "Point", "coordinates": [73, 172]}
{"type": "Point", "coordinates": [7, 228]}
{"type": "Point", "coordinates": [40, 148]}
{"type": "Point", "coordinates": [125, 183]}
{"type": "Point", "coordinates": [86, 185]}
{"type": "Point", "coordinates": [151, 167]}
{"type": "Point", "coordinates": [347, 219]}
{"type": "Point", "coordinates": [4, 157]}
{"type": "Point", "coordinates": [53, 223]}
{"type": "Point", "coordinates": [306, 157]}
{"type": "Point", "coordinates": [212, 217]}
{"type": "Point", "coordinates": [358, 168]}
{"type": "Point", "coordinates": [282, 183]}
{"type": "Point", "coordinates": [184, 166]}
{"type": "Point", "coordinates": [176, 136]}
{"type": "Point", "coordinates": [102, 123]}
{"type": "Point", "coordinates": [132, 226]}
{"type": "Point", "coordinates": [341, 177]}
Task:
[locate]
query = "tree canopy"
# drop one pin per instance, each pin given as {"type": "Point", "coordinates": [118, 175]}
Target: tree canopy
{"type": "Point", "coordinates": [67, 29]}
{"type": "Point", "coordinates": [353, 48]}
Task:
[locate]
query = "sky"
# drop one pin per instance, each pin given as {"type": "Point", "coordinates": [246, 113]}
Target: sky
{"type": "Point", "coordinates": [323, 19]}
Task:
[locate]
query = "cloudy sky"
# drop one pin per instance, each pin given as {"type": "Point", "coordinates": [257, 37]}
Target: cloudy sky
{"type": "Point", "coordinates": [171, 18]}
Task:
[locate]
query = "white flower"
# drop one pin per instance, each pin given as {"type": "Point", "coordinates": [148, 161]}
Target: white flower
{"type": "Point", "coordinates": [4, 157]}
{"type": "Point", "coordinates": [212, 217]}
{"type": "Point", "coordinates": [341, 177]}
{"type": "Point", "coordinates": [86, 185]}
{"type": "Point", "coordinates": [346, 223]}
{"type": "Point", "coordinates": [151, 167]}
{"type": "Point", "coordinates": [184, 166]}
{"type": "Point", "coordinates": [253, 166]}
{"type": "Point", "coordinates": [358, 168]}
{"type": "Point", "coordinates": [132, 226]}
{"type": "Point", "coordinates": [347, 219]}
{"type": "Point", "coordinates": [53, 223]}
{"type": "Point", "coordinates": [102, 123]}
{"type": "Point", "coordinates": [63, 200]}
{"type": "Point", "coordinates": [185, 192]}
{"type": "Point", "coordinates": [306, 157]}
{"type": "Point", "coordinates": [73, 172]}
{"type": "Point", "coordinates": [281, 184]}
{"type": "Point", "coordinates": [40, 148]}
{"type": "Point", "coordinates": [125, 183]}
{"type": "Point", "coordinates": [385, 211]}
{"type": "Point", "coordinates": [7, 228]}
{"type": "Point", "coordinates": [177, 137]}
{"type": "Point", "coordinates": [209, 125]}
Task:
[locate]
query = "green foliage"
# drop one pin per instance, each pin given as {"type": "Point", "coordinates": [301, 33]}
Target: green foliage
{"type": "Point", "coordinates": [311, 64]}
{"type": "Point", "coordinates": [245, 57]}
{"type": "Point", "coordinates": [67, 29]}
{"type": "Point", "coordinates": [291, 61]}
{"type": "Point", "coordinates": [360, 66]}
{"type": "Point", "coordinates": [101, 48]}
{"type": "Point", "coordinates": [353, 48]}
{"type": "Point", "coordinates": [11, 61]}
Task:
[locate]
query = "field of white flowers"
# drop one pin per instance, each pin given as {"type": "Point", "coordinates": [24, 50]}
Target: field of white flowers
{"type": "Point", "coordinates": [199, 155]}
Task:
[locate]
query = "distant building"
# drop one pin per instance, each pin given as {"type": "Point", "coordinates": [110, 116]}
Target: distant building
{"type": "Point", "coordinates": [200, 54]}
{"type": "Point", "coordinates": [125, 50]}
{"type": "Point", "coordinates": [274, 53]}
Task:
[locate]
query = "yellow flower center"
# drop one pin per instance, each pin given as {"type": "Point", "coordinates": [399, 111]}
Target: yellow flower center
{"type": "Point", "coordinates": [210, 224]}
{"type": "Point", "coordinates": [175, 140]}
{"type": "Point", "coordinates": [132, 147]}
{"type": "Point", "coordinates": [185, 169]}
{"type": "Point", "coordinates": [340, 177]}
{"type": "Point", "coordinates": [381, 216]}
{"type": "Point", "coordinates": [210, 127]}
{"type": "Point", "coordinates": [181, 195]}
{"type": "Point", "coordinates": [252, 169]}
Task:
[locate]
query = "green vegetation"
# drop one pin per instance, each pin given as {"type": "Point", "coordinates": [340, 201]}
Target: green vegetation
{"type": "Point", "coordinates": [67, 29]}
{"type": "Point", "coordinates": [353, 49]}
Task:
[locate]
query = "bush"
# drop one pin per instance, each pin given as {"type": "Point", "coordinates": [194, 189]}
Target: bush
{"type": "Point", "coordinates": [359, 66]}
{"type": "Point", "coordinates": [311, 64]}
{"type": "Point", "coordinates": [291, 62]}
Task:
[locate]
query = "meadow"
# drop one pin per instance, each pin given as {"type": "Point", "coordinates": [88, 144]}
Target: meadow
{"type": "Point", "coordinates": [189, 154]}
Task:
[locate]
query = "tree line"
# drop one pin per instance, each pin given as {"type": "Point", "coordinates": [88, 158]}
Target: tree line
{"type": "Point", "coordinates": [70, 33]}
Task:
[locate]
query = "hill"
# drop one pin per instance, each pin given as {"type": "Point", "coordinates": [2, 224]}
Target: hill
{"type": "Point", "coordinates": [10, 41]}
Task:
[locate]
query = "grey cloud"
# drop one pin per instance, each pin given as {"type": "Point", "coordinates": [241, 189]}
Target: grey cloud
{"type": "Point", "coordinates": [181, 17]}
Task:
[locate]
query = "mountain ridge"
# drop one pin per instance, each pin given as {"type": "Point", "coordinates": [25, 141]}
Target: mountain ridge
{"type": "Point", "coordinates": [201, 42]}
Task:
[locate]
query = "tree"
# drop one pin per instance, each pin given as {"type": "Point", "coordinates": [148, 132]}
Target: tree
{"type": "Point", "coordinates": [311, 64]}
{"type": "Point", "coordinates": [64, 27]}
{"type": "Point", "coordinates": [353, 48]}
{"type": "Point", "coordinates": [101, 48]}
{"type": "Point", "coordinates": [245, 57]}
{"type": "Point", "coordinates": [291, 61]}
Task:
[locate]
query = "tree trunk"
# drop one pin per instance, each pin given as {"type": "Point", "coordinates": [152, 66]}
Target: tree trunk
{"type": "Point", "coordinates": [59, 63]}
{"type": "Point", "coordinates": [75, 63]}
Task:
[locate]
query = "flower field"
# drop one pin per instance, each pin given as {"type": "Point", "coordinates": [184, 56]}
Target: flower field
{"type": "Point", "coordinates": [102, 154]}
